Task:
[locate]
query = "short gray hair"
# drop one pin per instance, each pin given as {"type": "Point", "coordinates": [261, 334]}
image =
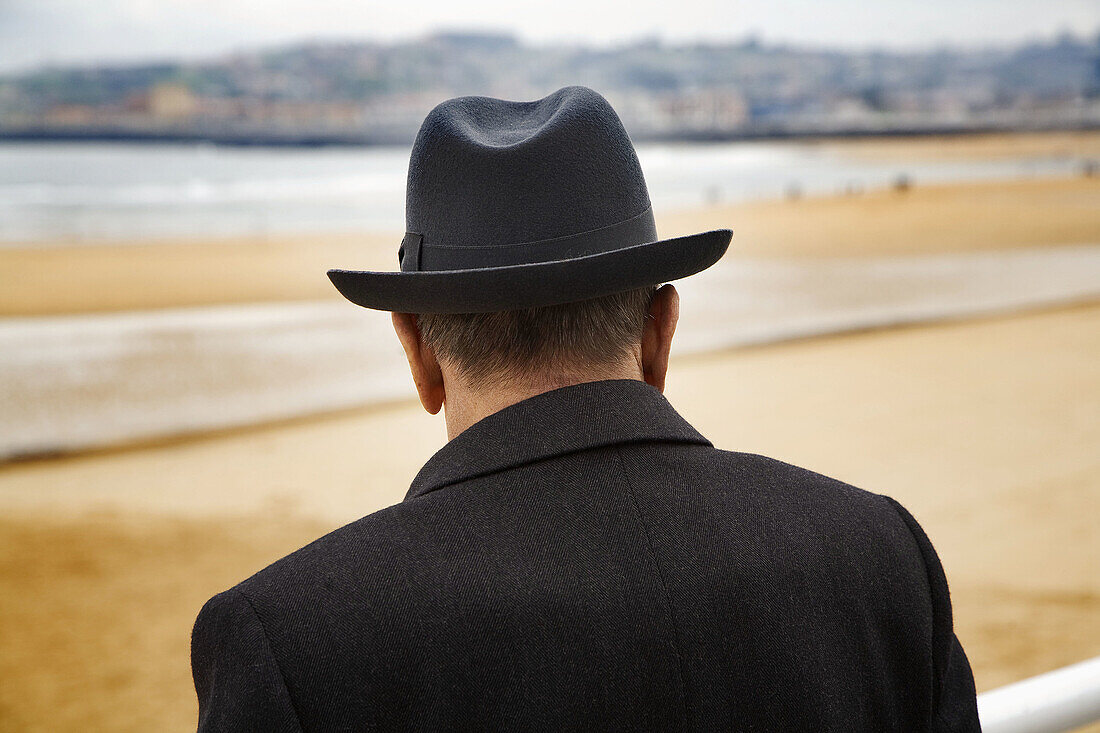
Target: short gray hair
{"type": "Point", "coordinates": [569, 338]}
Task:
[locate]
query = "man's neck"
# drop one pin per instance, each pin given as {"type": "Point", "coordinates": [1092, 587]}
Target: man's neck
{"type": "Point", "coordinates": [465, 406]}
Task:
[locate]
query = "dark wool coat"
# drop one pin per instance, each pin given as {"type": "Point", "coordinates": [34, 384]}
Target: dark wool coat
{"type": "Point", "coordinates": [586, 560]}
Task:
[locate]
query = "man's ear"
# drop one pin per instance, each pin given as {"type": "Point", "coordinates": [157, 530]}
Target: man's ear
{"type": "Point", "coordinates": [426, 373]}
{"type": "Point", "coordinates": [660, 326]}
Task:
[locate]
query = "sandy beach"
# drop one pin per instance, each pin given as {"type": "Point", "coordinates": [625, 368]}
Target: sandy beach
{"type": "Point", "coordinates": [970, 147]}
{"type": "Point", "coordinates": [995, 456]}
{"type": "Point", "coordinates": [63, 277]}
{"type": "Point", "coordinates": [986, 429]}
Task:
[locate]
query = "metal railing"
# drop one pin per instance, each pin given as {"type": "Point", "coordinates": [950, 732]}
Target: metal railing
{"type": "Point", "coordinates": [1061, 700]}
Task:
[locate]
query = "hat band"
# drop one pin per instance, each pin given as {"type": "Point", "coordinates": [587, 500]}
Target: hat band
{"type": "Point", "coordinates": [417, 255]}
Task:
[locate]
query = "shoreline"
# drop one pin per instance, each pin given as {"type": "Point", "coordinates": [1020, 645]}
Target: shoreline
{"type": "Point", "coordinates": [399, 403]}
{"type": "Point", "coordinates": [111, 276]}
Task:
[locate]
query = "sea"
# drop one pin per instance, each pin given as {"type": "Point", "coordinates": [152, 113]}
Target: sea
{"type": "Point", "coordinates": [81, 192]}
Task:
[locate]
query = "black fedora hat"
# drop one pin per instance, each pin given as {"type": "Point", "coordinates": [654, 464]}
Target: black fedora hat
{"type": "Point", "coordinates": [523, 204]}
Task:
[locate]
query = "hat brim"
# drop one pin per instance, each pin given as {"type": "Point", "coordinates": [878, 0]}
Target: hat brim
{"type": "Point", "coordinates": [533, 285]}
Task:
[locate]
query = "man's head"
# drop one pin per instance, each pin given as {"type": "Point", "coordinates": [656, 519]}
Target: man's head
{"type": "Point", "coordinates": [501, 356]}
{"type": "Point", "coordinates": [510, 208]}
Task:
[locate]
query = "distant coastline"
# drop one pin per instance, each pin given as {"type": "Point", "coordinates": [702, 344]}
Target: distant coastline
{"type": "Point", "coordinates": [365, 93]}
{"type": "Point", "coordinates": [329, 138]}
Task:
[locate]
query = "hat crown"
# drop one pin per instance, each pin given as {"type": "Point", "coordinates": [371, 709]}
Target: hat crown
{"type": "Point", "coordinates": [524, 205]}
{"type": "Point", "coordinates": [488, 172]}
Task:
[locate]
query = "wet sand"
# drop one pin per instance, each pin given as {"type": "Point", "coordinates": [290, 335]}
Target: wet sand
{"type": "Point", "coordinates": [74, 383]}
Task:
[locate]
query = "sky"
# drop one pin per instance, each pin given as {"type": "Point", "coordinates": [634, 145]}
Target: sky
{"type": "Point", "coordinates": [41, 32]}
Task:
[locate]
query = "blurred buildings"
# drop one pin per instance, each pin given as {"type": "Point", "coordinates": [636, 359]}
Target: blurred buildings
{"type": "Point", "coordinates": [369, 92]}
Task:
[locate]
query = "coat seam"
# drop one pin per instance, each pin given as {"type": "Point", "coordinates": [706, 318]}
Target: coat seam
{"type": "Point", "coordinates": [274, 659]}
{"type": "Point", "coordinates": [660, 579]}
{"type": "Point", "coordinates": [938, 675]}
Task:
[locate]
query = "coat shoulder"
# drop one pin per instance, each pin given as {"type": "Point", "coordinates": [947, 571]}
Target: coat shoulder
{"type": "Point", "coordinates": [776, 479]}
{"type": "Point", "coordinates": [814, 509]}
{"type": "Point", "coordinates": [373, 549]}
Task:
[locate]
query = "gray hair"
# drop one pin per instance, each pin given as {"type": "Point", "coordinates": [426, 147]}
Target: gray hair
{"type": "Point", "coordinates": [570, 338]}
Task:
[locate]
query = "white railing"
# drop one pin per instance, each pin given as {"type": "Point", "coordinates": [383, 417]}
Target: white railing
{"type": "Point", "coordinates": [1061, 700]}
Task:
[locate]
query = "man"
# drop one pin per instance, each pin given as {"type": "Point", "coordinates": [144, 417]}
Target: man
{"type": "Point", "coordinates": [577, 556]}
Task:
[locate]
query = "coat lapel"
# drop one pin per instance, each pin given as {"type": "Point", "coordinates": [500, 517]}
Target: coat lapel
{"type": "Point", "coordinates": [564, 420]}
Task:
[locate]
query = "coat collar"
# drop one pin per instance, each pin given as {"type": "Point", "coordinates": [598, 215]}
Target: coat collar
{"type": "Point", "coordinates": [563, 420]}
